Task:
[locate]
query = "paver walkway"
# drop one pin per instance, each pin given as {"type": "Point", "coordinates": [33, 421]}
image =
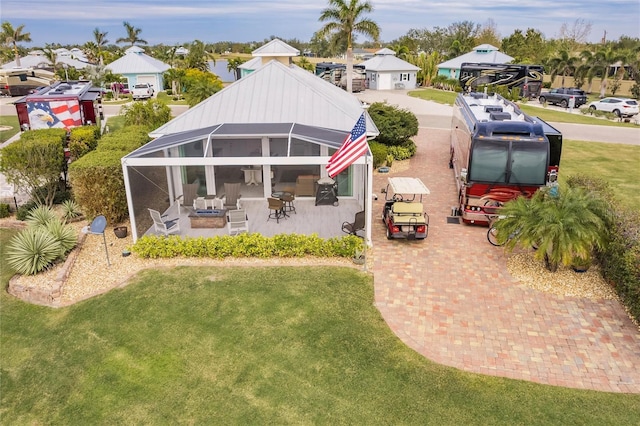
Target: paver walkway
{"type": "Point", "coordinates": [451, 298]}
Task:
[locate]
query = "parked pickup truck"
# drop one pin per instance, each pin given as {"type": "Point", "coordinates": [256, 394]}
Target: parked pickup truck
{"type": "Point", "coordinates": [142, 91]}
{"type": "Point", "coordinates": [562, 96]}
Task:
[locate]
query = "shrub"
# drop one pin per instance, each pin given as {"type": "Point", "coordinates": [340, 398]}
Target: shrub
{"type": "Point", "coordinates": [32, 251]}
{"type": "Point", "coordinates": [98, 184]}
{"type": "Point", "coordinates": [40, 216]}
{"type": "Point", "coordinates": [379, 153]}
{"type": "Point", "coordinates": [396, 125]}
{"type": "Point", "coordinates": [63, 234]}
{"type": "Point", "coordinates": [35, 162]}
{"type": "Point", "coordinates": [620, 258]}
{"type": "Point", "coordinates": [247, 245]}
{"type": "Point", "coordinates": [151, 114]}
{"type": "Point", "coordinates": [4, 210]}
{"type": "Point", "coordinates": [389, 160]}
{"type": "Point", "coordinates": [23, 210]}
{"type": "Point", "coordinates": [83, 140]}
{"type": "Point", "coordinates": [45, 240]}
{"type": "Point", "coordinates": [403, 152]}
{"type": "Point", "coordinates": [70, 209]}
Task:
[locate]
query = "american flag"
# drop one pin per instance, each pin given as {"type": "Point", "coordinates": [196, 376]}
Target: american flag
{"type": "Point", "coordinates": [354, 146]}
{"type": "Point", "coordinates": [48, 114]}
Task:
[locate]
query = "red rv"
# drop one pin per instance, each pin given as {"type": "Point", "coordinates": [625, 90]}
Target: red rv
{"type": "Point", "coordinates": [498, 153]}
{"type": "Point", "coordinates": [64, 104]}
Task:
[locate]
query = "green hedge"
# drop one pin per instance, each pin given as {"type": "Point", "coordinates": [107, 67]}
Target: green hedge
{"type": "Point", "coordinates": [620, 259]}
{"type": "Point", "coordinates": [379, 152]}
{"type": "Point", "coordinates": [83, 140]}
{"type": "Point", "coordinates": [97, 179]}
{"type": "Point", "coordinates": [127, 139]}
{"type": "Point", "coordinates": [247, 245]}
{"type": "Point", "coordinates": [98, 185]}
{"type": "Point", "coordinates": [48, 134]}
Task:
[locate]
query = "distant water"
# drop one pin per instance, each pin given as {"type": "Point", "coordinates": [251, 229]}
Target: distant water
{"type": "Point", "coordinates": [220, 69]}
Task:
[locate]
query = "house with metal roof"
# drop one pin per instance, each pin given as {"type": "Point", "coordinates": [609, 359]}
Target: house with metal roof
{"type": "Point", "coordinates": [385, 71]}
{"type": "Point", "coordinates": [139, 68]}
{"type": "Point", "coordinates": [484, 53]}
{"type": "Point", "coordinates": [273, 130]}
{"type": "Point", "coordinates": [275, 49]}
{"type": "Point", "coordinates": [37, 59]}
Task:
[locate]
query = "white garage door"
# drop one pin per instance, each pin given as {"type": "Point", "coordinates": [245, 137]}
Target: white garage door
{"type": "Point", "coordinates": [151, 79]}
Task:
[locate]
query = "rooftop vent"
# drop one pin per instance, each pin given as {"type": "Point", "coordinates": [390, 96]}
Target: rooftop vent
{"type": "Point", "coordinates": [492, 108]}
{"type": "Point", "coordinates": [499, 116]}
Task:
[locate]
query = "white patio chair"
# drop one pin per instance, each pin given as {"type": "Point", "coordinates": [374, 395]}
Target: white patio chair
{"type": "Point", "coordinates": [237, 221]}
{"type": "Point", "coordinates": [232, 196]}
{"type": "Point", "coordinates": [162, 226]}
{"type": "Point", "coordinates": [189, 194]}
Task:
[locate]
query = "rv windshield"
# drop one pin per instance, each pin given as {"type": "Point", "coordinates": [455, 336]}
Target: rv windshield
{"type": "Point", "coordinates": [509, 162]}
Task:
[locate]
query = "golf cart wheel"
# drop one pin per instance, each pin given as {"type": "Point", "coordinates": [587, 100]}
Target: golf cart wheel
{"type": "Point", "coordinates": [389, 236]}
{"type": "Point", "coordinates": [335, 204]}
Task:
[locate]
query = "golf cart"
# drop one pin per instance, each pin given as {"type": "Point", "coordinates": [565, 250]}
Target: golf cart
{"type": "Point", "coordinates": [403, 213]}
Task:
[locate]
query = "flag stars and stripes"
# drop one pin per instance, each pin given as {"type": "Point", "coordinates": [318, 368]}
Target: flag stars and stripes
{"type": "Point", "coordinates": [354, 146]}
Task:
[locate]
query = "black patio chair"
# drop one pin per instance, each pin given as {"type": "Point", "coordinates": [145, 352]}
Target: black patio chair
{"type": "Point", "coordinates": [352, 228]}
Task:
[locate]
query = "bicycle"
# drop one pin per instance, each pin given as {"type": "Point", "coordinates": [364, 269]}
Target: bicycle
{"type": "Point", "coordinates": [492, 233]}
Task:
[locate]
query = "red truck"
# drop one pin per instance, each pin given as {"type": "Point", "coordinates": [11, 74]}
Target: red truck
{"type": "Point", "coordinates": [64, 104]}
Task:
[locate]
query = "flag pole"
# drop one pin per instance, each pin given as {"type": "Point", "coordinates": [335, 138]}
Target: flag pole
{"type": "Point", "coordinates": [366, 209]}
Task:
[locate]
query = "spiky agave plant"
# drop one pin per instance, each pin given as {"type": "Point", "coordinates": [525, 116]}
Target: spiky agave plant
{"type": "Point", "coordinates": [64, 234]}
{"type": "Point", "coordinates": [40, 216]}
{"type": "Point", "coordinates": [32, 251]}
{"type": "Point", "coordinates": [70, 209]}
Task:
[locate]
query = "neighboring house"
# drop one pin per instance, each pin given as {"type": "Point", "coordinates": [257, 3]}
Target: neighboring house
{"type": "Point", "coordinates": [36, 59]}
{"type": "Point", "coordinates": [275, 49]}
{"type": "Point", "coordinates": [484, 53]}
{"type": "Point", "coordinates": [280, 120]}
{"type": "Point", "coordinates": [139, 68]}
{"type": "Point", "coordinates": [387, 72]}
{"type": "Point", "coordinates": [360, 54]}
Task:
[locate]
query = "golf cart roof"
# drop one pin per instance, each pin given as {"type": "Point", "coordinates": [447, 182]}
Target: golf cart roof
{"type": "Point", "coordinates": [408, 185]}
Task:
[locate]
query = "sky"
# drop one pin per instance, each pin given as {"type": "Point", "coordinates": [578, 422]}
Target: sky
{"type": "Point", "coordinates": [71, 22]}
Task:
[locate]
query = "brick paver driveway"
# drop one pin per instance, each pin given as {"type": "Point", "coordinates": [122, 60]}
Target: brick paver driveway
{"type": "Point", "coordinates": [451, 298]}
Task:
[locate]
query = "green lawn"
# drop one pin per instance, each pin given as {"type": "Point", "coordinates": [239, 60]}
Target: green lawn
{"type": "Point", "coordinates": [280, 345]}
{"type": "Point", "coordinates": [11, 121]}
{"type": "Point", "coordinates": [615, 163]}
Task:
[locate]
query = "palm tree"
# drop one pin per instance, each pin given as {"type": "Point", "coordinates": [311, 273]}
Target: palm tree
{"type": "Point", "coordinates": [402, 51]}
{"type": "Point", "coordinates": [344, 19]}
{"type": "Point", "coordinates": [563, 227]}
{"type": "Point", "coordinates": [176, 76]}
{"type": "Point", "coordinates": [52, 56]}
{"type": "Point", "coordinates": [564, 64]}
{"type": "Point", "coordinates": [101, 41]}
{"type": "Point", "coordinates": [304, 63]}
{"type": "Point", "coordinates": [605, 58]}
{"type": "Point", "coordinates": [233, 65]}
{"type": "Point", "coordinates": [13, 36]}
{"type": "Point", "coordinates": [428, 64]}
{"type": "Point", "coordinates": [132, 35]}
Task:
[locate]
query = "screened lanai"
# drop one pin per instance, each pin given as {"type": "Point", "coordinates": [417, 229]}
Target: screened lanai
{"type": "Point", "coordinates": [263, 157]}
{"type": "Point", "coordinates": [271, 131]}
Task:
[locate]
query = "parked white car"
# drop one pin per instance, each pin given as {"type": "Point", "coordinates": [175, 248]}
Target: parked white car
{"type": "Point", "coordinates": [622, 107]}
{"type": "Point", "coordinates": [142, 91]}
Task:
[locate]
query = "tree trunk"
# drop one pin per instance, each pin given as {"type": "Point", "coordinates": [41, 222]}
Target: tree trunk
{"type": "Point", "coordinates": [349, 69]}
{"type": "Point", "coordinates": [603, 86]}
{"type": "Point", "coordinates": [551, 266]}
